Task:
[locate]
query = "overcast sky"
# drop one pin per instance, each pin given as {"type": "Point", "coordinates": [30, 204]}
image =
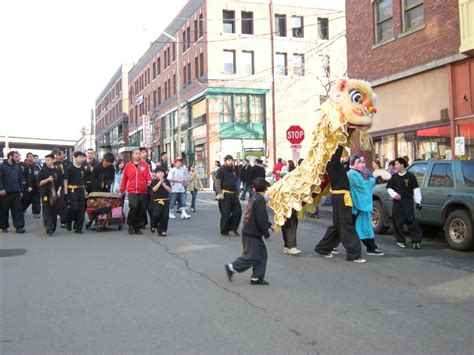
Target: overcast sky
{"type": "Point", "coordinates": [58, 55]}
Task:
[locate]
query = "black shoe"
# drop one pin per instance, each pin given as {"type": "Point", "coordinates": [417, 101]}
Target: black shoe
{"type": "Point", "coordinates": [143, 227]}
{"type": "Point", "coordinates": [229, 272]}
{"type": "Point", "coordinates": [69, 227]}
{"type": "Point", "coordinates": [138, 231]}
{"type": "Point", "coordinates": [63, 225]}
{"type": "Point", "coordinates": [50, 232]}
{"type": "Point", "coordinates": [262, 282]}
{"type": "Point", "coordinates": [79, 231]}
{"type": "Point", "coordinates": [20, 230]}
{"type": "Point", "coordinates": [161, 234]}
{"type": "Point", "coordinates": [89, 224]}
{"type": "Point", "coordinates": [416, 246]}
{"type": "Point", "coordinates": [5, 230]}
{"type": "Point", "coordinates": [131, 231]}
{"type": "Point", "coordinates": [234, 233]}
{"type": "Point", "coordinates": [153, 230]}
{"type": "Point", "coordinates": [225, 234]}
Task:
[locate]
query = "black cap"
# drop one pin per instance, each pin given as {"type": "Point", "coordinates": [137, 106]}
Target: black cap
{"type": "Point", "coordinates": [228, 157]}
{"type": "Point", "coordinates": [160, 168]}
{"type": "Point", "coordinates": [260, 184]}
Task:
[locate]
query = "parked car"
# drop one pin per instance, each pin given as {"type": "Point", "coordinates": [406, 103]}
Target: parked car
{"type": "Point", "coordinates": [447, 187]}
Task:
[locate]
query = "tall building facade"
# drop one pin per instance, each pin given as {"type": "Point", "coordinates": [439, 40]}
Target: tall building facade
{"type": "Point", "coordinates": [111, 113]}
{"type": "Point", "coordinates": [419, 57]}
{"type": "Point", "coordinates": [242, 72]}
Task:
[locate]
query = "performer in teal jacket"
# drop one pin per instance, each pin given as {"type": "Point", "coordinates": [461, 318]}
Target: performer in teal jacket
{"type": "Point", "coordinates": [362, 184]}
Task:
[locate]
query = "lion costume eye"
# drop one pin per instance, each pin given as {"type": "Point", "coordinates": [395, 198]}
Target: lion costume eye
{"type": "Point", "coordinates": [355, 96]}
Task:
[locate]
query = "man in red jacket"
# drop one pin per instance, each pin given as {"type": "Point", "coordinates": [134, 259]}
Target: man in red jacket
{"type": "Point", "coordinates": [135, 180]}
{"type": "Point", "coordinates": [277, 169]}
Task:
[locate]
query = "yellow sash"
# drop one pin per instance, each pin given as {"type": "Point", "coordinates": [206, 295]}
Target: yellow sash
{"type": "Point", "coordinates": [161, 201]}
{"type": "Point", "coordinates": [347, 196]}
{"type": "Point", "coordinates": [73, 187]}
{"type": "Point", "coordinates": [228, 192]}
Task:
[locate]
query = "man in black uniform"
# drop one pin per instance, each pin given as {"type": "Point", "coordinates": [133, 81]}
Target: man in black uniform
{"type": "Point", "coordinates": [11, 188]}
{"type": "Point", "coordinates": [103, 174]}
{"type": "Point", "coordinates": [160, 189]}
{"type": "Point", "coordinates": [229, 204]}
{"type": "Point", "coordinates": [256, 171]}
{"type": "Point", "coordinates": [31, 193]}
{"type": "Point", "coordinates": [61, 164]}
{"type": "Point", "coordinates": [343, 229]}
{"type": "Point", "coordinates": [89, 164]}
{"type": "Point", "coordinates": [402, 187]}
{"type": "Point", "coordinates": [75, 193]}
{"type": "Point", "coordinates": [49, 179]}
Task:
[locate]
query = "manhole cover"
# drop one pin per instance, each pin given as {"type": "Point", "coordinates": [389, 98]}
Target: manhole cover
{"type": "Point", "coordinates": [12, 252]}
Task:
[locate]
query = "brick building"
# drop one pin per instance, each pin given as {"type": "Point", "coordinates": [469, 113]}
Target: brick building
{"type": "Point", "coordinates": [418, 55]}
{"type": "Point", "coordinates": [244, 72]}
{"type": "Point", "coordinates": [111, 113]}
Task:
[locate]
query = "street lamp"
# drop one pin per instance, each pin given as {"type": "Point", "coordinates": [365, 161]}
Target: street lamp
{"type": "Point", "coordinates": [178, 85]}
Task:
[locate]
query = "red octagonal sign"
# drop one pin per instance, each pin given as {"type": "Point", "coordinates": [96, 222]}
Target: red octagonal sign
{"type": "Point", "coordinates": [295, 134]}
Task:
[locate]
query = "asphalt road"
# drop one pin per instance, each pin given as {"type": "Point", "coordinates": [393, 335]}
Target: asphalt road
{"type": "Point", "coordinates": [111, 293]}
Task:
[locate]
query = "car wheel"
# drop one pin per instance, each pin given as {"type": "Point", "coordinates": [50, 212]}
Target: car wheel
{"type": "Point", "coordinates": [458, 230]}
{"type": "Point", "coordinates": [378, 218]}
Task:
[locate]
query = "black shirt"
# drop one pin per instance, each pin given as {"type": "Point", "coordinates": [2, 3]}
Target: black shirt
{"type": "Point", "coordinates": [256, 221]}
{"type": "Point", "coordinates": [337, 172]}
{"type": "Point", "coordinates": [102, 178]}
{"type": "Point", "coordinates": [227, 176]}
{"type": "Point", "coordinates": [45, 172]}
{"type": "Point", "coordinates": [161, 193]}
{"type": "Point", "coordinates": [89, 170]}
{"type": "Point", "coordinates": [74, 175]}
{"type": "Point", "coordinates": [255, 171]}
{"type": "Point", "coordinates": [403, 185]}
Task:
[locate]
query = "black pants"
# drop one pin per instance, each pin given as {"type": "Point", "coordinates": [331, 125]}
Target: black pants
{"type": "Point", "coordinates": [62, 208]}
{"type": "Point", "coordinates": [50, 216]}
{"type": "Point", "coordinates": [31, 198]}
{"type": "Point", "coordinates": [137, 204]}
{"type": "Point", "coordinates": [404, 213]}
{"type": "Point", "coordinates": [370, 244]}
{"type": "Point", "coordinates": [160, 216]}
{"type": "Point", "coordinates": [231, 212]}
{"type": "Point", "coordinates": [255, 256]}
{"type": "Point", "coordinates": [342, 230]}
{"type": "Point", "coordinates": [289, 230]}
{"type": "Point", "coordinates": [76, 209]}
{"type": "Point", "coordinates": [11, 202]}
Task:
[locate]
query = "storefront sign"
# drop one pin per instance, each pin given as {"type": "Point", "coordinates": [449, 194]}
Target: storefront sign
{"type": "Point", "coordinates": [146, 131]}
{"type": "Point", "coordinates": [460, 146]}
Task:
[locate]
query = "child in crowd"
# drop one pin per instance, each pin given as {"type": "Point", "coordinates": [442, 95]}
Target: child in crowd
{"type": "Point", "coordinates": [256, 225]}
{"type": "Point", "coordinates": [160, 189]}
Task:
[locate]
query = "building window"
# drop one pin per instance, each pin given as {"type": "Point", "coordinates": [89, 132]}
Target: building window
{"type": "Point", "coordinates": [383, 20]}
{"type": "Point", "coordinates": [158, 67]}
{"type": "Point", "coordinates": [174, 84]}
{"type": "Point", "coordinates": [154, 70]}
{"type": "Point", "coordinates": [184, 75]}
{"type": "Point", "coordinates": [412, 14]}
{"type": "Point", "coordinates": [196, 68]}
{"type": "Point", "coordinates": [189, 73]}
{"type": "Point", "coordinates": [154, 98]}
{"type": "Point", "coordinates": [201, 64]}
{"type": "Point", "coordinates": [174, 50]}
{"type": "Point", "coordinates": [188, 37]}
{"type": "Point", "coordinates": [229, 62]}
{"type": "Point", "coordinates": [242, 108]}
{"type": "Point", "coordinates": [226, 108]}
{"type": "Point", "coordinates": [201, 26]}
{"type": "Point", "coordinates": [298, 64]}
{"type": "Point", "coordinates": [229, 21]}
{"type": "Point", "coordinates": [184, 41]}
{"type": "Point", "coordinates": [159, 95]}
{"type": "Point", "coordinates": [323, 28]}
{"type": "Point", "coordinates": [298, 31]}
{"type": "Point", "coordinates": [280, 25]}
{"type": "Point", "coordinates": [248, 62]}
{"type": "Point", "coordinates": [196, 33]}
{"type": "Point", "coordinates": [247, 23]}
{"type": "Point", "coordinates": [281, 64]}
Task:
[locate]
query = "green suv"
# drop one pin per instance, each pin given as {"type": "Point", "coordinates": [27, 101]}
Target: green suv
{"type": "Point", "coordinates": [447, 187]}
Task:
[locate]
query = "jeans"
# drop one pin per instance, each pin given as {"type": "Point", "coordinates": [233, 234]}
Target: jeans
{"type": "Point", "coordinates": [180, 197]}
{"type": "Point", "coordinates": [193, 198]}
{"type": "Point", "coordinates": [238, 183]}
{"type": "Point", "coordinates": [245, 190]}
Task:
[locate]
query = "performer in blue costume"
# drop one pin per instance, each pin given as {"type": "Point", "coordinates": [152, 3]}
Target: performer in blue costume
{"type": "Point", "coordinates": [362, 184]}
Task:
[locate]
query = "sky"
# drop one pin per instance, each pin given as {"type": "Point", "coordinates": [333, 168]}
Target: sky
{"type": "Point", "coordinates": [58, 55]}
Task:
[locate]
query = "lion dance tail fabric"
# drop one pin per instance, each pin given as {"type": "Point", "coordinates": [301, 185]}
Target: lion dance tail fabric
{"type": "Point", "coordinates": [352, 105]}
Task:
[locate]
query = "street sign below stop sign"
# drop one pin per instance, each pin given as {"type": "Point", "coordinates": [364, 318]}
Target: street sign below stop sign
{"type": "Point", "coordinates": [295, 134]}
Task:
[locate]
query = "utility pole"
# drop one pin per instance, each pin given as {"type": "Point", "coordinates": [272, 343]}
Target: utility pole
{"type": "Point", "coordinates": [272, 38]}
{"type": "Point", "coordinates": [178, 88]}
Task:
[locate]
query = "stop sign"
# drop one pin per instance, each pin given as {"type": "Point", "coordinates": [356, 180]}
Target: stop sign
{"type": "Point", "coordinates": [295, 134]}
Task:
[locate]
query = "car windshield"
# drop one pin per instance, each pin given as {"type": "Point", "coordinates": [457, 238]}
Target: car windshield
{"type": "Point", "coordinates": [468, 172]}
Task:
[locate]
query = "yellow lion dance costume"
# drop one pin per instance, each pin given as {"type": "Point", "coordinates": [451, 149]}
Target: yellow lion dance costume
{"type": "Point", "coordinates": [351, 106]}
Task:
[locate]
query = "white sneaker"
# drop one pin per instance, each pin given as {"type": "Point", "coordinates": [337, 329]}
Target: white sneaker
{"type": "Point", "coordinates": [359, 261]}
{"type": "Point", "coordinates": [286, 250]}
{"type": "Point", "coordinates": [294, 251]}
{"type": "Point", "coordinates": [172, 216]}
{"type": "Point", "coordinates": [184, 215]}
{"type": "Point", "coordinates": [335, 252]}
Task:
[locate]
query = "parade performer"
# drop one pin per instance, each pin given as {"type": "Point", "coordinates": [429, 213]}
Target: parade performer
{"type": "Point", "coordinates": [402, 187]}
{"type": "Point", "coordinates": [160, 189]}
{"type": "Point", "coordinates": [103, 174]}
{"type": "Point", "coordinates": [229, 203]}
{"type": "Point", "coordinates": [362, 183]}
{"type": "Point", "coordinates": [256, 225]}
{"type": "Point", "coordinates": [352, 105]}
{"type": "Point", "coordinates": [89, 164]}
{"type": "Point", "coordinates": [50, 180]}
{"type": "Point", "coordinates": [11, 188]}
{"type": "Point", "coordinates": [75, 193]}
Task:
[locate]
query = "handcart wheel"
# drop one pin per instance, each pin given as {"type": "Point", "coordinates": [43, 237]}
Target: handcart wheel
{"type": "Point", "coordinates": [120, 227]}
